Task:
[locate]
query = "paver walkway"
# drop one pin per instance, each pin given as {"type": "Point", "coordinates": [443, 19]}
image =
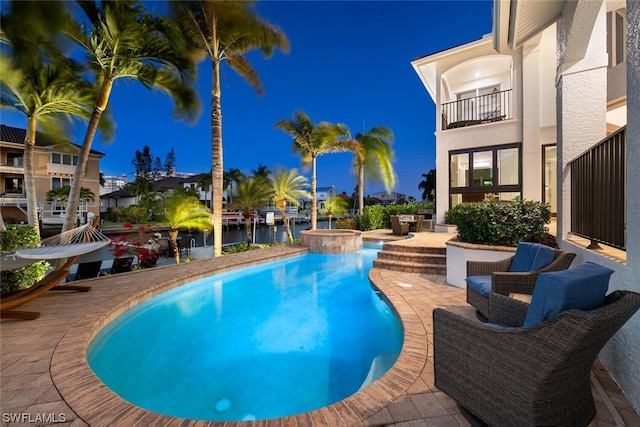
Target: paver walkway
{"type": "Point", "coordinates": [45, 378]}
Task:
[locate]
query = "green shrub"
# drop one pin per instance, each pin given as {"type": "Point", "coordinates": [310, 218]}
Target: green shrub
{"type": "Point", "coordinates": [346, 223]}
{"type": "Point", "coordinates": [376, 216]}
{"type": "Point", "coordinates": [16, 237]}
{"type": "Point", "coordinates": [500, 223]}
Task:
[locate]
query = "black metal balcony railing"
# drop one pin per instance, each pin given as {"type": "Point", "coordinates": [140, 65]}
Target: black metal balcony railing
{"type": "Point", "coordinates": [598, 188]}
{"type": "Point", "coordinates": [478, 110]}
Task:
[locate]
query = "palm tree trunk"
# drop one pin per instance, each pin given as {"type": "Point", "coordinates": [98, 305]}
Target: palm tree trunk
{"type": "Point", "coordinates": [247, 225]}
{"type": "Point", "coordinates": [29, 181]}
{"type": "Point", "coordinates": [217, 171]}
{"type": "Point", "coordinates": [173, 240]}
{"type": "Point", "coordinates": [360, 189]}
{"type": "Point", "coordinates": [83, 156]}
{"type": "Point", "coordinates": [285, 222]}
{"type": "Point", "coordinates": [313, 213]}
{"type": "Point", "coordinates": [330, 218]}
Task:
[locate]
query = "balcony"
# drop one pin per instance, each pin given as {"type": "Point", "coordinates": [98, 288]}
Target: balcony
{"type": "Point", "coordinates": [13, 165]}
{"type": "Point", "coordinates": [59, 169]}
{"type": "Point", "coordinates": [477, 110]}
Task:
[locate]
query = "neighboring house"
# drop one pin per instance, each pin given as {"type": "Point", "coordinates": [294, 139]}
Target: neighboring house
{"type": "Point", "coordinates": [539, 110]}
{"type": "Point", "coordinates": [389, 198]}
{"type": "Point", "coordinates": [323, 194]}
{"type": "Point", "coordinates": [54, 166]}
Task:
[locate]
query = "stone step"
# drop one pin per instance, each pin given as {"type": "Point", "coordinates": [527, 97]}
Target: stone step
{"type": "Point", "coordinates": [415, 249]}
{"type": "Point", "coordinates": [410, 267]}
{"type": "Point", "coordinates": [418, 258]}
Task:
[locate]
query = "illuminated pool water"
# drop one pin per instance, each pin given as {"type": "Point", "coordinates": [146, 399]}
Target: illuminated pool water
{"type": "Point", "coordinates": [267, 341]}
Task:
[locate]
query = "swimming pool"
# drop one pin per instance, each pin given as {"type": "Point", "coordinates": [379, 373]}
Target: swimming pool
{"type": "Point", "coordinates": [267, 341]}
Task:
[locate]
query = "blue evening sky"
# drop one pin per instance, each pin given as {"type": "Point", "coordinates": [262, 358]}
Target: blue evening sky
{"type": "Point", "coordinates": [349, 62]}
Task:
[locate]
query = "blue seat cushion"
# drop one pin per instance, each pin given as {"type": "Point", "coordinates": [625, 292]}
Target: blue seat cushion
{"type": "Point", "coordinates": [531, 257]}
{"type": "Point", "coordinates": [481, 284]}
{"type": "Point", "coordinates": [581, 288]}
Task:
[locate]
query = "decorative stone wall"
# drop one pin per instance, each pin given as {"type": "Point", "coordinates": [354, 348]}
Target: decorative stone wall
{"type": "Point", "coordinates": [331, 241]}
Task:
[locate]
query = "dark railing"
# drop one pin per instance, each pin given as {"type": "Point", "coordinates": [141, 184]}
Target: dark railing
{"type": "Point", "coordinates": [598, 188]}
{"type": "Point", "coordinates": [478, 110]}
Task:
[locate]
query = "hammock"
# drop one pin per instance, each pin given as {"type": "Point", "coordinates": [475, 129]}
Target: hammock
{"type": "Point", "coordinates": [78, 241]}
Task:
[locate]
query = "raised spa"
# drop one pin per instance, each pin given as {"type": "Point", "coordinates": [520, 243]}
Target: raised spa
{"type": "Point", "coordinates": [263, 342]}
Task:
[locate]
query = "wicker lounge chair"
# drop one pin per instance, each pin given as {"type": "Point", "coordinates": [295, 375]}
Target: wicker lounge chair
{"type": "Point", "coordinates": [121, 265]}
{"type": "Point", "coordinates": [398, 227]}
{"type": "Point", "coordinates": [502, 280]}
{"type": "Point", "coordinates": [526, 376]}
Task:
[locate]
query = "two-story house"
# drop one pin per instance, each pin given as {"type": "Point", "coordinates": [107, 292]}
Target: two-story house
{"type": "Point", "coordinates": [54, 166]}
{"type": "Point", "coordinates": [547, 107]}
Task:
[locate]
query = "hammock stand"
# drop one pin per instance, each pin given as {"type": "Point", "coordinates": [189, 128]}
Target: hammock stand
{"type": "Point", "coordinates": [69, 245]}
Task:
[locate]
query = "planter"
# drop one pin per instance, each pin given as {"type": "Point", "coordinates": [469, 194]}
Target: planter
{"type": "Point", "coordinates": [458, 253]}
{"type": "Point", "coordinates": [331, 241]}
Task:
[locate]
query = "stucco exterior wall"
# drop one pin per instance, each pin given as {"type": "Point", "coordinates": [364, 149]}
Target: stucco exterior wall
{"type": "Point", "coordinates": [582, 125]}
{"type": "Point", "coordinates": [622, 355]}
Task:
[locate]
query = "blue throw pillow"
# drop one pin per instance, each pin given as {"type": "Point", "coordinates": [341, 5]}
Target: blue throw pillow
{"type": "Point", "coordinates": [481, 284]}
{"type": "Point", "coordinates": [581, 288]}
{"type": "Point", "coordinates": [531, 257]}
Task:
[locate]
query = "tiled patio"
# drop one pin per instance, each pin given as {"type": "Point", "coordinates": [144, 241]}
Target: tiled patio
{"type": "Point", "coordinates": [44, 372]}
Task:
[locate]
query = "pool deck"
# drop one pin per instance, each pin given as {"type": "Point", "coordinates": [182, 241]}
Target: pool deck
{"type": "Point", "coordinates": [45, 377]}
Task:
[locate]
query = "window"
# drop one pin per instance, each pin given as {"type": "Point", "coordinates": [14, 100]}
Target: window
{"type": "Point", "coordinates": [479, 173]}
{"type": "Point", "coordinates": [616, 36]}
{"type": "Point", "coordinates": [13, 185]}
{"type": "Point", "coordinates": [60, 182]}
{"type": "Point", "coordinates": [14, 159]}
{"type": "Point", "coordinates": [549, 165]}
{"type": "Point", "coordinates": [64, 159]}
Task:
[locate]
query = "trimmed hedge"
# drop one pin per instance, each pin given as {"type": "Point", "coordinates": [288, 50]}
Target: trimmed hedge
{"type": "Point", "coordinates": [500, 223]}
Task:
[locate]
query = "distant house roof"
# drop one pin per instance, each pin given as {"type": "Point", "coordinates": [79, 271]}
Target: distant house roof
{"type": "Point", "coordinates": [17, 136]}
{"type": "Point", "coordinates": [117, 194]}
{"type": "Point", "coordinates": [323, 189]}
{"type": "Point", "coordinates": [169, 183]}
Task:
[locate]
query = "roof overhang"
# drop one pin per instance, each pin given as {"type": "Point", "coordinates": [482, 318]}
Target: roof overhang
{"type": "Point", "coordinates": [426, 67]}
{"type": "Point", "coordinates": [516, 21]}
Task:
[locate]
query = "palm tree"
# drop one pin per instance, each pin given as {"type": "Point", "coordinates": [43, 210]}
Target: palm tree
{"type": "Point", "coordinates": [225, 30]}
{"type": "Point", "coordinates": [231, 176]}
{"type": "Point", "coordinates": [204, 183]}
{"type": "Point", "coordinates": [185, 212]}
{"type": "Point", "coordinates": [262, 171]}
{"type": "Point", "coordinates": [335, 205]}
{"type": "Point", "coordinates": [125, 41]}
{"type": "Point", "coordinates": [428, 185]}
{"type": "Point", "coordinates": [61, 194]}
{"type": "Point", "coordinates": [376, 163]}
{"type": "Point", "coordinates": [312, 141]}
{"type": "Point", "coordinates": [288, 186]}
{"type": "Point", "coordinates": [253, 193]}
{"type": "Point", "coordinates": [46, 95]}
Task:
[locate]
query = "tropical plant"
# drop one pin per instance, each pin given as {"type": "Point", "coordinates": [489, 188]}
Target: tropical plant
{"type": "Point", "coordinates": [375, 161]}
{"type": "Point", "coordinates": [61, 194]}
{"type": "Point", "coordinates": [335, 205]}
{"type": "Point", "coordinates": [204, 183]}
{"type": "Point", "coordinates": [38, 81]}
{"type": "Point", "coordinates": [140, 186]}
{"type": "Point", "coordinates": [185, 212]}
{"type": "Point", "coordinates": [311, 141]}
{"type": "Point", "coordinates": [262, 171]}
{"type": "Point", "coordinates": [288, 186]}
{"type": "Point", "coordinates": [253, 193]}
{"type": "Point", "coordinates": [225, 30]}
{"type": "Point", "coordinates": [123, 40]}
{"type": "Point", "coordinates": [428, 185]}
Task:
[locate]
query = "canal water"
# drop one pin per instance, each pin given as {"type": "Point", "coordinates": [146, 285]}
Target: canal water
{"type": "Point", "coordinates": [264, 234]}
